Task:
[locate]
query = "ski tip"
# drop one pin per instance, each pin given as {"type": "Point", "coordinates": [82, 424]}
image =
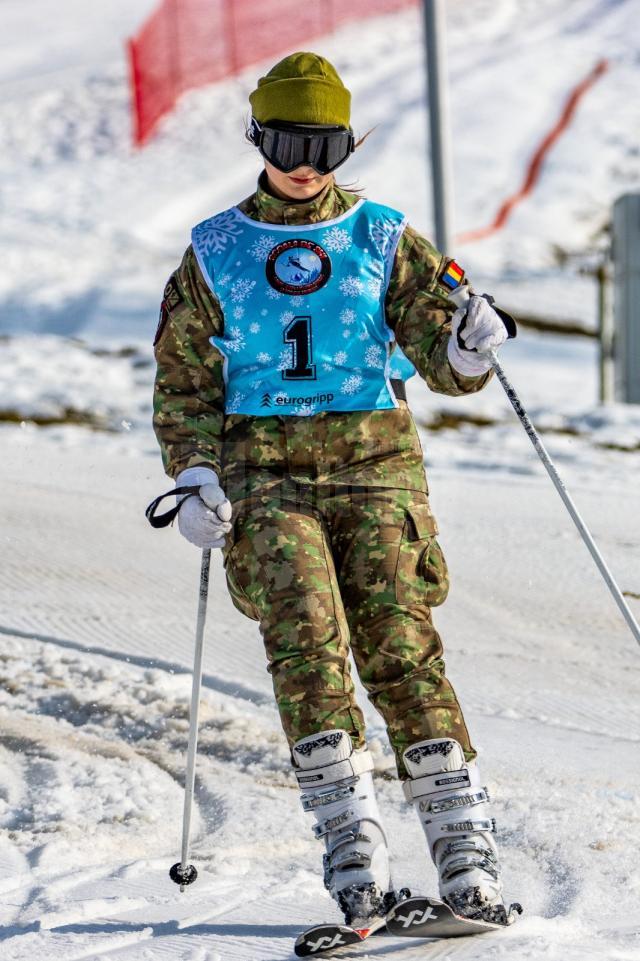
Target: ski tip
{"type": "Point", "coordinates": [324, 939]}
{"type": "Point", "coordinates": [425, 917]}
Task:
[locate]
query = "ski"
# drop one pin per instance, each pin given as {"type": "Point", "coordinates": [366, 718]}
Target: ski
{"type": "Point", "coordinates": [421, 917]}
{"type": "Point", "coordinates": [323, 939]}
{"type": "Point", "coordinates": [412, 917]}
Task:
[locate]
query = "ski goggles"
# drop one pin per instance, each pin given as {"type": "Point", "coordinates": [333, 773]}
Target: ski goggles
{"type": "Point", "coordinates": [288, 146]}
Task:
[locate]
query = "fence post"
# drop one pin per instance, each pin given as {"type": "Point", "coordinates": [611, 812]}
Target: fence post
{"type": "Point", "coordinates": [626, 260]}
{"type": "Point", "coordinates": [605, 333]}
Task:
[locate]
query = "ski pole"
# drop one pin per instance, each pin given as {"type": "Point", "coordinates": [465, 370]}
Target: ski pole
{"type": "Point", "coordinates": [184, 873]}
{"type": "Point", "coordinates": [460, 297]}
{"type": "Point", "coordinates": [564, 494]}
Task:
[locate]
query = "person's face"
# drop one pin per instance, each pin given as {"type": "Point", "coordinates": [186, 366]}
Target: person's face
{"type": "Point", "coordinates": [303, 183]}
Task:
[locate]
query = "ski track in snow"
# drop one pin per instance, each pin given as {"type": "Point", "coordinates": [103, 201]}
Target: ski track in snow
{"type": "Point", "coordinates": [107, 736]}
{"type": "Point", "coordinates": [97, 612]}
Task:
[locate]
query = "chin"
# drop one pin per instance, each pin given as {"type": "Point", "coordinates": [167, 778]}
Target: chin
{"type": "Point", "coordinates": [305, 190]}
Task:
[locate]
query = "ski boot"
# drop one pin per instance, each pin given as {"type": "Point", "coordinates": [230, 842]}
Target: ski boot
{"type": "Point", "coordinates": [454, 812]}
{"type": "Point", "coordinates": [337, 787]}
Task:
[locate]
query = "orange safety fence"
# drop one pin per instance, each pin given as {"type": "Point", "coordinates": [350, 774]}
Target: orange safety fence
{"type": "Point", "coordinates": [535, 164]}
{"type": "Point", "coordinates": [185, 44]}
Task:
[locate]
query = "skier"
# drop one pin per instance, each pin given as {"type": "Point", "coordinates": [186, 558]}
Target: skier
{"type": "Point", "coordinates": [280, 394]}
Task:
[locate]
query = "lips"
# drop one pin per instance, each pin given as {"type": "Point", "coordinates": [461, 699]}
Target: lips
{"type": "Point", "coordinates": [302, 180]}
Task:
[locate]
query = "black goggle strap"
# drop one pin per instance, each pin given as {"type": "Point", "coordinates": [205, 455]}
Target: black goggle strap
{"type": "Point", "coordinates": [255, 132]}
{"type": "Point", "coordinates": [163, 520]}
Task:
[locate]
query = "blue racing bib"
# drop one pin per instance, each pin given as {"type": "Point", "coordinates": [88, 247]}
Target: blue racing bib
{"type": "Point", "coordinates": [303, 306]}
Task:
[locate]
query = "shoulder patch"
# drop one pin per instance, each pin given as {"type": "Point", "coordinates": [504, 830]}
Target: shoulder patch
{"type": "Point", "coordinates": [452, 275]}
{"type": "Point", "coordinates": [171, 295]}
{"type": "Point", "coordinates": [170, 298]}
{"type": "Point", "coordinates": [164, 316]}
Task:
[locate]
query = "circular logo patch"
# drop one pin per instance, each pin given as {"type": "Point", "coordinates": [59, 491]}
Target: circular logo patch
{"type": "Point", "coordinates": [298, 267]}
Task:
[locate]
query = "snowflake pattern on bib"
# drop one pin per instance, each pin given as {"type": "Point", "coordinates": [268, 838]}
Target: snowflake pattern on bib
{"type": "Point", "coordinates": [293, 346]}
{"type": "Point", "coordinates": [261, 247]}
{"type": "Point", "coordinates": [241, 289]}
{"type": "Point", "coordinates": [236, 340]}
{"type": "Point", "coordinates": [336, 240]}
{"type": "Point", "coordinates": [213, 235]}
{"type": "Point", "coordinates": [381, 234]}
{"type": "Point", "coordinates": [352, 384]}
{"type": "Point", "coordinates": [285, 359]}
{"type": "Point", "coordinates": [351, 286]}
{"type": "Point", "coordinates": [374, 286]}
{"type": "Point", "coordinates": [233, 404]}
{"type": "Point", "coordinates": [305, 410]}
{"type": "Point", "coordinates": [373, 356]}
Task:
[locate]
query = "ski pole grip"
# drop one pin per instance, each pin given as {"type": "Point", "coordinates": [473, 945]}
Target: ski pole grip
{"type": "Point", "coordinates": [163, 520]}
{"type": "Point", "coordinates": [461, 297]}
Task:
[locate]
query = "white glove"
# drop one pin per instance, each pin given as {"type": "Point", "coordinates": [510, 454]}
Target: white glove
{"type": "Point", "coordinates": [484, 329]}
{"type": "Point", "coordinates": [203, 520]}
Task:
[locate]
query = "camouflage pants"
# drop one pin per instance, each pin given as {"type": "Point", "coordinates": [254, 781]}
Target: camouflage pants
{"type": "Point", "coordinates": [325, 570]}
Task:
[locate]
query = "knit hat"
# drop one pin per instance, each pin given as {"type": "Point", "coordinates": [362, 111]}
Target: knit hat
{"type": "Point", "coordinates": [302, 88]}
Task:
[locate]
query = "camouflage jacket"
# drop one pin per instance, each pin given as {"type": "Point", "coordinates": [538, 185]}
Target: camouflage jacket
{"type": "Point", "coordinates": [356, 447]}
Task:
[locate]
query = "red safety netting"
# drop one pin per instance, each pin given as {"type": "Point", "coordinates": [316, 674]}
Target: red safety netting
{"type": "Point", "coordinates": [188, 43]}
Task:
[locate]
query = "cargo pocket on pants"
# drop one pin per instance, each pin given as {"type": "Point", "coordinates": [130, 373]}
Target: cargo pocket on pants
{"type": "Point", "coordinates": [422, 576]}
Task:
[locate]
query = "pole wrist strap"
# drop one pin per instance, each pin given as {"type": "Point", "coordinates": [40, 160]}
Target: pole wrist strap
{"type": "Point", "coordinates": [163, 520]}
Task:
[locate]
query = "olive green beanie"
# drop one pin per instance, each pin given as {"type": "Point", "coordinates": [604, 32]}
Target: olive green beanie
{"type": "Point", "coordinates": [302, 88]}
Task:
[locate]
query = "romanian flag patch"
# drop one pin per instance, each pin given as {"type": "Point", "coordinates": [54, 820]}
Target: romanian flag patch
{"type": "Point", "coordinates": [452, 277]}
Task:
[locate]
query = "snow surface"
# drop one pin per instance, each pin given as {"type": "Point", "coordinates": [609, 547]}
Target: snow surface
{"type": "Point", "coordinates": [97, 611]}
